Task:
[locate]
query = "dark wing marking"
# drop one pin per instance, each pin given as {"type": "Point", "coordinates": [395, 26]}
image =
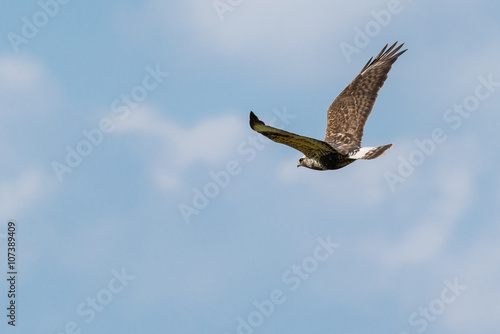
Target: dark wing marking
{"type": "Point", "coordinates": [348, 113]}
{"type": "Point", "coordinates": [311, 147]}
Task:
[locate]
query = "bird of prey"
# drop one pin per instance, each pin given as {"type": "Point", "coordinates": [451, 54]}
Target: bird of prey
{"type": "Point", "coordinates": [346, 118]}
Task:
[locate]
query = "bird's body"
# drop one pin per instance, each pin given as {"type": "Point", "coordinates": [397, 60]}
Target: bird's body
{"type": "Point", "coordinates": [346, 118]}
{"type": "Point", "coordinates": [327, 162]}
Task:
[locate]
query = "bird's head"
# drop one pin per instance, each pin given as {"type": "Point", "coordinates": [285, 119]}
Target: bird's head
{"type": "Point", "coordinates": [301, 161]}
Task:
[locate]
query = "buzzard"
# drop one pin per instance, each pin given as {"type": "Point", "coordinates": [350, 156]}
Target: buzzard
{"type": "Point", "coordinates": [346, 118]}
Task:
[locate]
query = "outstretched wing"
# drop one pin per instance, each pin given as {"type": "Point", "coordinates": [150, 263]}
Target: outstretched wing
{"type": "Point", "coordinates": [312, 148]}
{"type": "Point", "coordinates": [348, 113]}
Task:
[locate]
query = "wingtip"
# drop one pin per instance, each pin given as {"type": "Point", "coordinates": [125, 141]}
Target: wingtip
{"type": "Point", "coordinates": [253, 120]}
{"type": "Point", "coordinates": [399, 47]}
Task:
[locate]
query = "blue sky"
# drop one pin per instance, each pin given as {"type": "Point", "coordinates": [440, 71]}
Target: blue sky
{"type": "Point", "coordinates": [145, 203]}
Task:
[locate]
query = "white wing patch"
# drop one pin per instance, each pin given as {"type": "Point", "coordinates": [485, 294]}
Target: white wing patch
{"type": "Point", "coordinates": [369, 153]}
{"type": "Point", "coordinates": [359, 154]}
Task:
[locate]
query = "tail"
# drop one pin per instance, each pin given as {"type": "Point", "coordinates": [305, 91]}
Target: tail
{"type": "Point", "coordinates": [369, 153]}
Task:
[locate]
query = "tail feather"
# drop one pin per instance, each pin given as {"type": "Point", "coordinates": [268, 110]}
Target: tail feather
{"type": "Point", "coordinates": [369, 153]}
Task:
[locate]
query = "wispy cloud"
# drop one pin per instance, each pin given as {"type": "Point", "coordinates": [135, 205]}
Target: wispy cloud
{"type": "Point", "coordinates": [21, 77]}
{"type": "Point", "coordinates": [21, 191]}
{"type": "Point", "coordinates": [295, 43]}
{"type": "Point", "coordinates": [176, 148]}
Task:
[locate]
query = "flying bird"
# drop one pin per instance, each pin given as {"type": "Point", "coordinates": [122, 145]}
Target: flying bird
{"type": "Point", "coordinates": [346, 118]}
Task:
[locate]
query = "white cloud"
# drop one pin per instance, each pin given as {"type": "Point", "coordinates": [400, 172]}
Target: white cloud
{"type": "Point", "coordinates": [289, 37]}
{"type": "Point", "coordinates": [26, 87]}
{"type": "Point", "coordinates": [20, 192]}
{"type": "Point", "coordinates": [177, 148]}
{"type": "Point", "coordinates": [250, 22]}
{"type": "Point", "coordinates": [20, 74]}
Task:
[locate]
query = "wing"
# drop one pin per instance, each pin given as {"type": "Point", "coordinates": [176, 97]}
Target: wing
{"type": "Point", "coordinates": [312, 148]}
{"type": "Point", "coordinates": [348, 113]}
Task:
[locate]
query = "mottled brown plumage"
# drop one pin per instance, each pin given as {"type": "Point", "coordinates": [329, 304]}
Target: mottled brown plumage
{"type": "Point", "coordinates": [346, 118]}
{"type": "Point", "coordinates": [348, 113]}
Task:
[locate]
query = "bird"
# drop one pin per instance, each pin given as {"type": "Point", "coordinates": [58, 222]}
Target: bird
{"type": "Point", "coordinates": [346, 118]}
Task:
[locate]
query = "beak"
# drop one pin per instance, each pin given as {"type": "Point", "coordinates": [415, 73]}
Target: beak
{"type": "Point", "coordinates": [298, 164]}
